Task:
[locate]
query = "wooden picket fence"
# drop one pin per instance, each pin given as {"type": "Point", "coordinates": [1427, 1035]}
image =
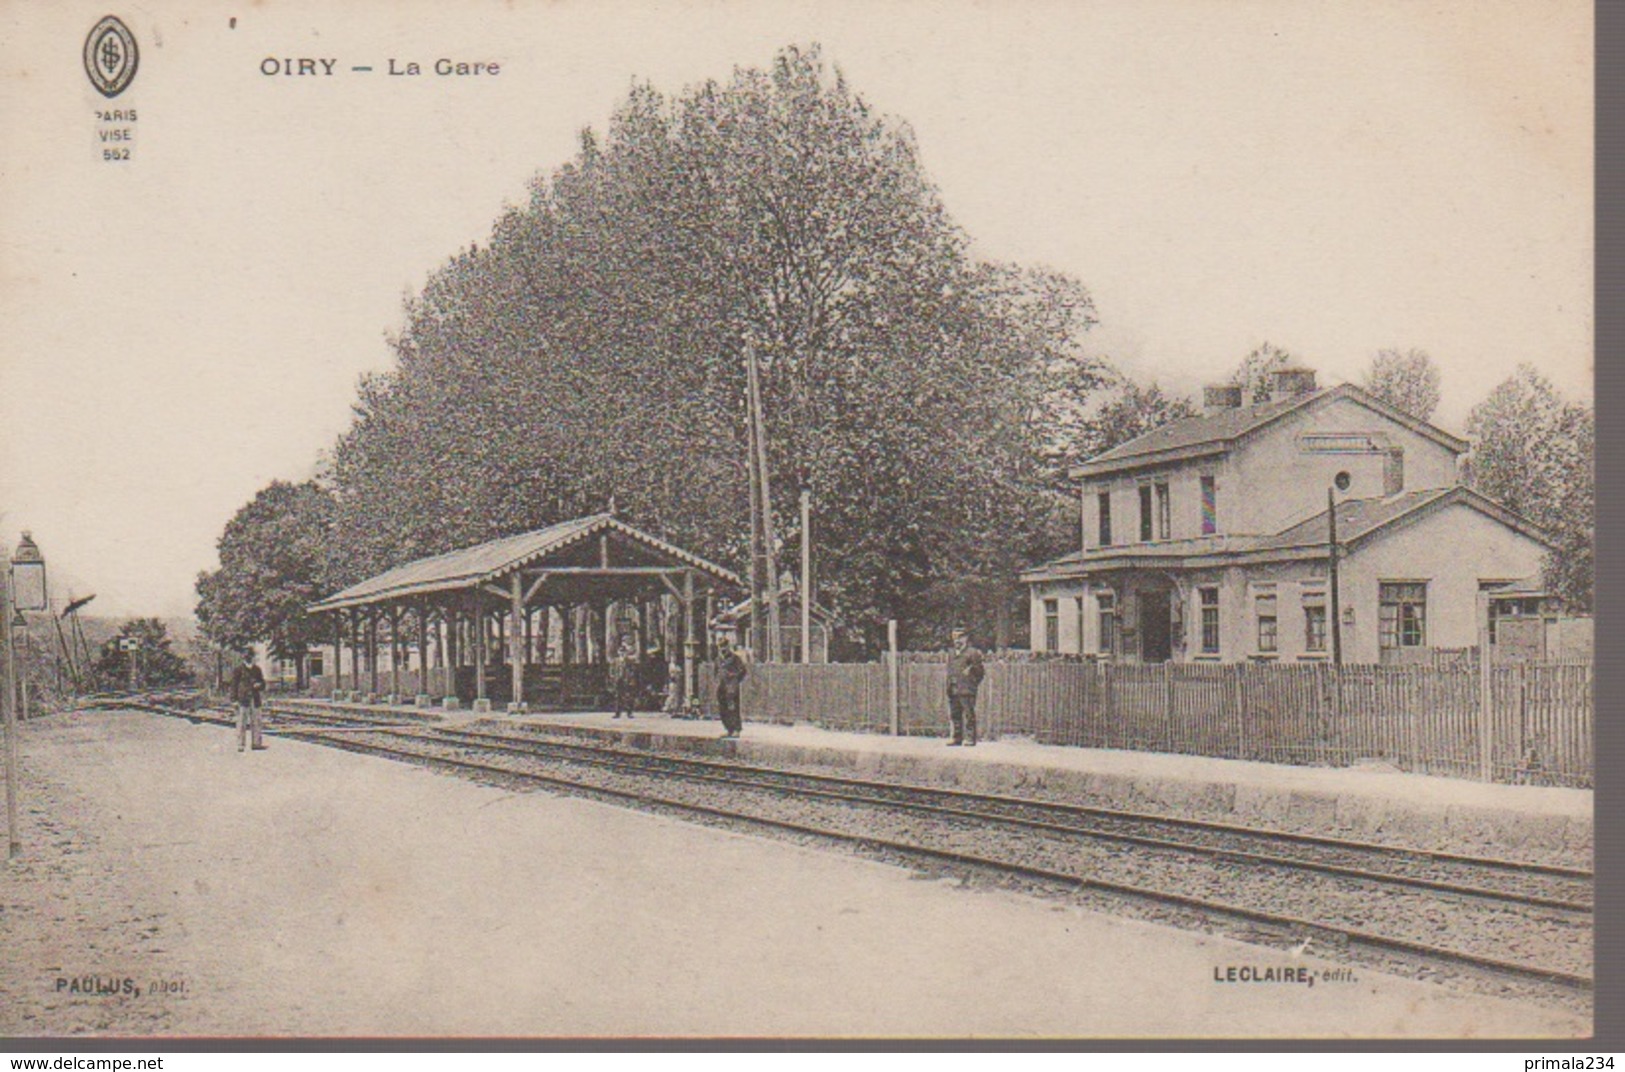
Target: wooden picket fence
{"type": "Point", "coordinates": [1423, 718]}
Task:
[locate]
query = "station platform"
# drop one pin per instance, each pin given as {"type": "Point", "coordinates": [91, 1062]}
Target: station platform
{"type": "Point", "coordinates": [1368, 802]}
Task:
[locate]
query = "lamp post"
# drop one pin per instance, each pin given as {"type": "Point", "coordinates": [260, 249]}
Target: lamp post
{"type": "Point", "coordinates": [25, 590]}
{"type": "Point", "coordinates": [20, 622]}
{"type": "Point", "coordinates": [1339, 483]}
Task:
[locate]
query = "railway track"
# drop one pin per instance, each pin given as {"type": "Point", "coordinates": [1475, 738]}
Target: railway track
{"type": "Point", "coordinates": [1297, 888]}
{"type": "Point", "coordinates": [1514, 882]}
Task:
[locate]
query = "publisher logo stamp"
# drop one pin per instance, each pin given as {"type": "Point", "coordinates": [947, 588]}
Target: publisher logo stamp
{"type": "Point", "coordinates": [111, 56]}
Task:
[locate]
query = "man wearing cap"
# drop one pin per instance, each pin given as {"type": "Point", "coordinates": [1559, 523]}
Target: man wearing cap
{"type": "Point", "coordinates": [731, 672]}
{"type": "Point", "coordinates": [965, 671]}
{"type": "Point", "coordinates": [247, 690]}
{"type": "Point", "coordinates": [623, 677]}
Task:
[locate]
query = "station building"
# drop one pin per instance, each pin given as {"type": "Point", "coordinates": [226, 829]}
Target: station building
{"type": "Point", "coordinates": [1211, 539]}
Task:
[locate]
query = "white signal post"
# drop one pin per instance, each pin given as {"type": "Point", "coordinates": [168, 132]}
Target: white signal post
{"type": "Point", "coordinates": [24, 589]}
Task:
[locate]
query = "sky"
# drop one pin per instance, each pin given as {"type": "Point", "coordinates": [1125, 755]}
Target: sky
{"type": "Point", "coordinates": [187, 325]}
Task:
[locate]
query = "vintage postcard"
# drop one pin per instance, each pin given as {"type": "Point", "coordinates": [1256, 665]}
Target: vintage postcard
{"type": "Point", "coordinates": [637, 519]}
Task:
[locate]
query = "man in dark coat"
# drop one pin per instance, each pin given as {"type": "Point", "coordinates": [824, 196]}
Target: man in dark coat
{"type": "Point", "coordinates": [623, 677]}
{"type": "Point", "coordinates": [247, 692]}
{"type": "Point", "coordinates": [731, 671]}
{"type": "Point", "coordinates": [965, 671]}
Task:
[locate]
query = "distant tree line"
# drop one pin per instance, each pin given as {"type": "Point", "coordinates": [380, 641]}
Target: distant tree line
{"type": "Point", "coordinates": [593, 351]}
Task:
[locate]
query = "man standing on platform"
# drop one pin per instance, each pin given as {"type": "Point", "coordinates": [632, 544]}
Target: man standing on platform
{"type": "Point", "coordinates": [965, 671]}
{"type": "Point", "coordinates": [731, 671]}
{"type": "Point", "coordinates": [623, 677]}
{"type": "Point", "coordinates": [247, 692]}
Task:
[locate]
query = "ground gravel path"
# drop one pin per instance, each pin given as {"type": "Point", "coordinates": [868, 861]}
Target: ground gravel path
{"type": "Point", "coordinates": [307, 891]}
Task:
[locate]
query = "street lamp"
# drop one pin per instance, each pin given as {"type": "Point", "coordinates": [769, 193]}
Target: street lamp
{"type": "Point", "coordinates": [28, 576]}
{"type": "Point", "coordinates": [25, 590]}
{"type": "Point", "coordinates": [1339, 483]}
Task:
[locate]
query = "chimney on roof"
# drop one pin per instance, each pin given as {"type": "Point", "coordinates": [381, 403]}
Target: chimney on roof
{"type": "Point", "coordinates": [1217, 397]}
{"type": "Point", "coordinates": [1291, 381]}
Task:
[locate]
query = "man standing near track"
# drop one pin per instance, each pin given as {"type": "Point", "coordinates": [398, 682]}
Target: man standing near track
{"type": "Point", "coordinates": [965, 671]}
{"type": "Point", "coordinates": [247, 692]}
{"type": "Point", "coordinates": [623, 677]}
{"type": "Point", "coordinates": [731, 671]}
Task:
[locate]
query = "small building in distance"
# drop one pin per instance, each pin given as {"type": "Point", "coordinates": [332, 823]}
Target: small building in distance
{"type": "Point", "coordinates": [1208, 539]}
{"type": "Point", "coordinates": [736, 620]}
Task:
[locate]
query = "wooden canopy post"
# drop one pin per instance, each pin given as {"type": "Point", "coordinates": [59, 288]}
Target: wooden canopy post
{"type": "Point", "coordinates": [422, 697]}
{"type": "Point", "coordinates": [481, 701]}
{"type": "Point", "coordinates": [519, 642]}
{"type": "Point", "coordinates": [338, 654]}
{"type": "Point", "coordinates": [372, 654]}
{"type": "Point", "coordinates": [690, 700]}
{"type": "Point", "coordinates": [355, 650]}
{"type": "Point", "coordinates": [451, 652]}
{"type": "Point", "coordinates": [710, 646]}
{"type": "Point", "coordinates": [395, 654]}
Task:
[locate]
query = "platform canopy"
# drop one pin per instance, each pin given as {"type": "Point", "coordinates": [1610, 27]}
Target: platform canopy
{"type": "Point", "coordinates": [590, 562]}
{"type": "Point", "coordinates": [597, 557]}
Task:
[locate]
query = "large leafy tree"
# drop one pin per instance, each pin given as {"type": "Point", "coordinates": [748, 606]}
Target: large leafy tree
{"type": "Point", "coordinates": [1407, 380]}
{"type": "Point", "coordinates": [273, 563]}
{"type": "Point", "coordinates": [1532, 451]}
{"type": "Point", "coordinates": [595, 348]}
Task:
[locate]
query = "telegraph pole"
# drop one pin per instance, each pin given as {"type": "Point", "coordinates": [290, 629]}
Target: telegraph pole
{"type": "Point", "coordinates": [806, 577]}
{"type": "Point", "coordinates": [1331, 556]}
{"type": "Point", "coordinates": [755, 518]}
{"type": "Point", "coordinates": [765, 491]}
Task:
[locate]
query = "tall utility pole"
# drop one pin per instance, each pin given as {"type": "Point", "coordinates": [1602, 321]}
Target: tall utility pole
{"type": "Point", "coordinates": [1331, 556]}
{"type": "Point", "coordinates": [755, 639]}
{"type": "Point", "coordinates": [806, 576]}
{"type": "Point", "coordinates": [765, 491]}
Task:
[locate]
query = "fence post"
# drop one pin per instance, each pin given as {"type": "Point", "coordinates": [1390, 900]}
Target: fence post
{"type": "Point", "coordinates": [891, 672]}
{"type": "Point", "coordinates": [1107, 719]}
{"type": "Point", "coordinates": [1520, 758]}
{"type": "Point", "coordinates": [1237, 675]}
{"type": "Point", "coordinates": [1486, 766]}
{"type": "Point", "coordinates": [1168, 728]}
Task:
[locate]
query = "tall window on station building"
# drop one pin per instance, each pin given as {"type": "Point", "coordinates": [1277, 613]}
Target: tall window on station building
{"type": "Point", "coordinates": [1145, 513]}
{"type": "Point", "coordinates": [1210, 506]}
{"type": "Point", "coordinates": [1402, 614]}
{"type": "Point", "coordinates": [1052, 625]}
{"type": "Point", "coordinates": [1104, 507]}
{"type": "Point", "coordinates": [1208, 602]}
{"type": "Point", "coordinates": [1264, 614]}
{"type": "Point", "coordinates": [1164, 514]}
{"type": "Point", "coordinates": [1314, 620]}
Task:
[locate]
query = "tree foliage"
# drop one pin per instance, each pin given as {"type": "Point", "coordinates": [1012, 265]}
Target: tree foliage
{"type": "Point", "coordinates": [156, 665]}
{"type": "Point", "coordinates": [1253, 374]}
{"type": "Point", "coordinates": [1533, 453]}
{"type": "Point", "coordinates": [273, 563]}
{"type": "Point", "coordinates": [1130, 412]}
{"type": "Point", "coordinates": [1408, 381]}
{"type": "Point", "coordinates": [594, 349]}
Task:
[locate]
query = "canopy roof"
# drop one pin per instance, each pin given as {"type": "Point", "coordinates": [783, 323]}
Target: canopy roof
{"type": "Point", "coordinates": [567, 546]}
